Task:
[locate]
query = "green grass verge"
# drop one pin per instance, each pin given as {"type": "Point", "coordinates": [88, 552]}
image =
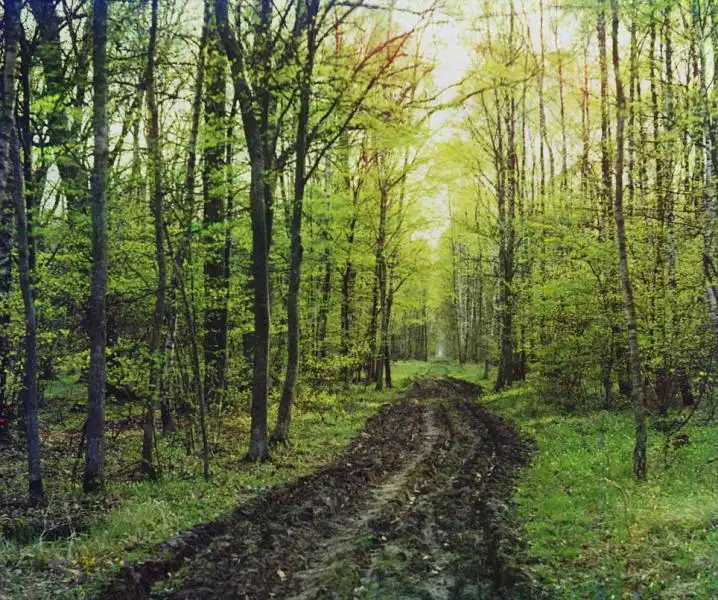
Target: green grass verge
{"type": "Point", "coordinates": [592, 532]}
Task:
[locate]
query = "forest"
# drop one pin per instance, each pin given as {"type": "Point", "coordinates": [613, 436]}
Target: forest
{"type": "Point", "coordinates": [359, 299]}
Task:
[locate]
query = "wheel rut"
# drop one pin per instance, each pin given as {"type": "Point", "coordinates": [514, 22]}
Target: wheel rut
{"type": "Point", "coordinates": [415, 508]}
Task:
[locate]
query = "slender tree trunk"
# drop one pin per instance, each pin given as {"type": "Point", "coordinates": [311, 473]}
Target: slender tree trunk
{"type": "Point", "coordinates": [227, 254]}
{"type": "Point", "coordinates": [214, 216]}
{"type": "Point", "coordinates": [6, 241]}
{"type": "Point", "coordinates": [585, 126]}
{"type": "Point", "coordinates": [605, 135]}
{"type": "Point", "coordinates": [323, 316]}
{"type": "Point", "coordinates": [562, 112]}
{"type": "Point", "coordinates": [95, 460]}
{"type": "Point", "coordinates": [545, 144]}
{"type": "Point", "coordinates": [168, 424]}
{"type": "Point", "coordinates": [386, 335]}
{"type": "Point", "coordinates": [281, 431]}
{"type": "Point", "coordinates": [348, 279]}
{"type": "Point", "coordinates": [25, 133]}
{"type": "Point", "coordinates": [639, 411]}
{"type": "Point", "coordinates": [381, 274]}
{"type": "Point", "coordinates": [504, 317]}
{"type": "Point", "coordinates": [373, 325]}
{"type": "Point", "coordinates": [11, 35]}
{"type": "Point", "coordinates": [633, 83]}
{"type": "Point", "coordinates": [153, 143]}
{"type": "Point", "coordinates": [506, 259]}
{"type": "Point", "coordinates": [29, 392]}
{"type": "Point", "coordinates": [197, 372]}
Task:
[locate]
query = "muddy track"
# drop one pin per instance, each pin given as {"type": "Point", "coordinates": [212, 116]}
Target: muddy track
{"type": "Point", "coordinates": [417, 507]}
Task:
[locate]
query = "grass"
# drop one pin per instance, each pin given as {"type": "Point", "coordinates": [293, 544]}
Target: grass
{"type": "Point", "coordinates": [134, 516]}
{"type": "Point", "coordinates": [591, 530]}
{"type": "Point", "coordinates": [402, 371]}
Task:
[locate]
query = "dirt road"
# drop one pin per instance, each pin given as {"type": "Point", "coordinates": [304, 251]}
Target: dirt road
{"type": "Point", "coordinates": [415, 508]}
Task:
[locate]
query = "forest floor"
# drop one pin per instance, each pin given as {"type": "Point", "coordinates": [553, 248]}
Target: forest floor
{"type": "Point", "coordinates": [416, 507]}
{"type": "Point", "coordinates": [425, 498]}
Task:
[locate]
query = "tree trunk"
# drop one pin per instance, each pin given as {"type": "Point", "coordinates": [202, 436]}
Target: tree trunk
{"type": "Point", "coordinates": [168, 424]}
{"type": "Point", "coordinates": [214, 216]}
{"type": "Point", "coordinates": [639, 411]}
{"type": "Point", "coordinates": [633, 84]}
{"type": "Point", "coordinates": [585, 126]}
{"type": "Point", "coordinates": [381, 275]}
{"type": "Point", "coordinates": [153, 144]}
{"type": "Point", "coordinates": [386, 326]}
{"type": "Point", "coordinates": [506, 200]}
{"type": "Point", "coordinates": [95, 460]}
{"type": "Point", "coordinates": [197, 372]}
{"type": "Point", "coordinates": [545, 144]}
{"type": "Point", "coordinates": [29, 392]}
{"type": "Point", "coordinates": [296, 252]}
{"type": "Point", "coordinates": [323, 316]}
{"type": "Point", "coordinates": [258, 449]}
{"type": "Point", "coordinates": [562, 111]}
{"type": "Point", "coordinates": [372, 329]}
{"type": "Point", "coordinates": [605, 135]}
{"type": "Point", "coordinates": [348, 280]}
{"type": "Point", "coordinates": [6, 241]}
{"type": "Point", "coordinates": [11, 34]}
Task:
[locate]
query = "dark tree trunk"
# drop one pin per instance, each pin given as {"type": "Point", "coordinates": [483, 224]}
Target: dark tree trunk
{"type": "Point", "coordinates": [562, 112]}
{"type": "Point", "coordinates": [633, 88]}
{"type": "Point", "coordinates": [29, 392]}
{"type": "Point", "coordinates": [381, 275]}
{"type": "Point", "coordinates": [370, 366]}
{"type": "Point", "coordinates": [545, 143]}
{"type": "Point", "coordinates": [506, 163]}
{"type": "Point", "coordinates": [6, 241]}
{"type": "Point", "coordinates": [323, 316]}
{"type": "Point", "coordinates": [215, 214]}
{"type": "Point", "coordinates": [197, 372]}
{"type": "Point", "coordinates": [24, 126]}
{"type": "Point", "coordinates": [95, 460]}
{"type": "Point", "coordinates": [605, 136]}
{"type": "Point", "coordinates": [12, 35]}
{"type": "Point", "coordinates": [669, 199]}
{"type": "Point", "coordinates": [258, 449]}
{"type": "Point", "coordinates": [585, 126]}
{"type": "Point", "coordinates": [386, 323]}
{"type": "Point", "coordinates": [347, 315]}
{"type": "Point", "coordinates": [157, 205]}
{"type": "Point", "coordinates": [289, 390]}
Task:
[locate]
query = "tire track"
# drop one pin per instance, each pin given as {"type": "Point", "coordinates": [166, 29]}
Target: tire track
{"type": "Point", "coordinates": [415, 508]}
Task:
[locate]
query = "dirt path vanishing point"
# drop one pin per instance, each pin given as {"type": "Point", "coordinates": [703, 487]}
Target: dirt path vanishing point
{"type": "Point", "coordinates": [415, 508]}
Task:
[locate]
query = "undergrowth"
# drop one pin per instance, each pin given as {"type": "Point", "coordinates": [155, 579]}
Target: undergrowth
{"type": "Point", "coordinates": [591, 530]}
{"type": "Point", "coordinates": [133, 516]}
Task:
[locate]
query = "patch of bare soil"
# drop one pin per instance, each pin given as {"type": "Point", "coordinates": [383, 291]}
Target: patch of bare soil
{"type": "Point", "coordinates": [417, 507]}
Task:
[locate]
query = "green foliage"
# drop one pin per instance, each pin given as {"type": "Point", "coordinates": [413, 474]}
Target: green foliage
{"type": "Point", "coordinates": [591, 530]}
